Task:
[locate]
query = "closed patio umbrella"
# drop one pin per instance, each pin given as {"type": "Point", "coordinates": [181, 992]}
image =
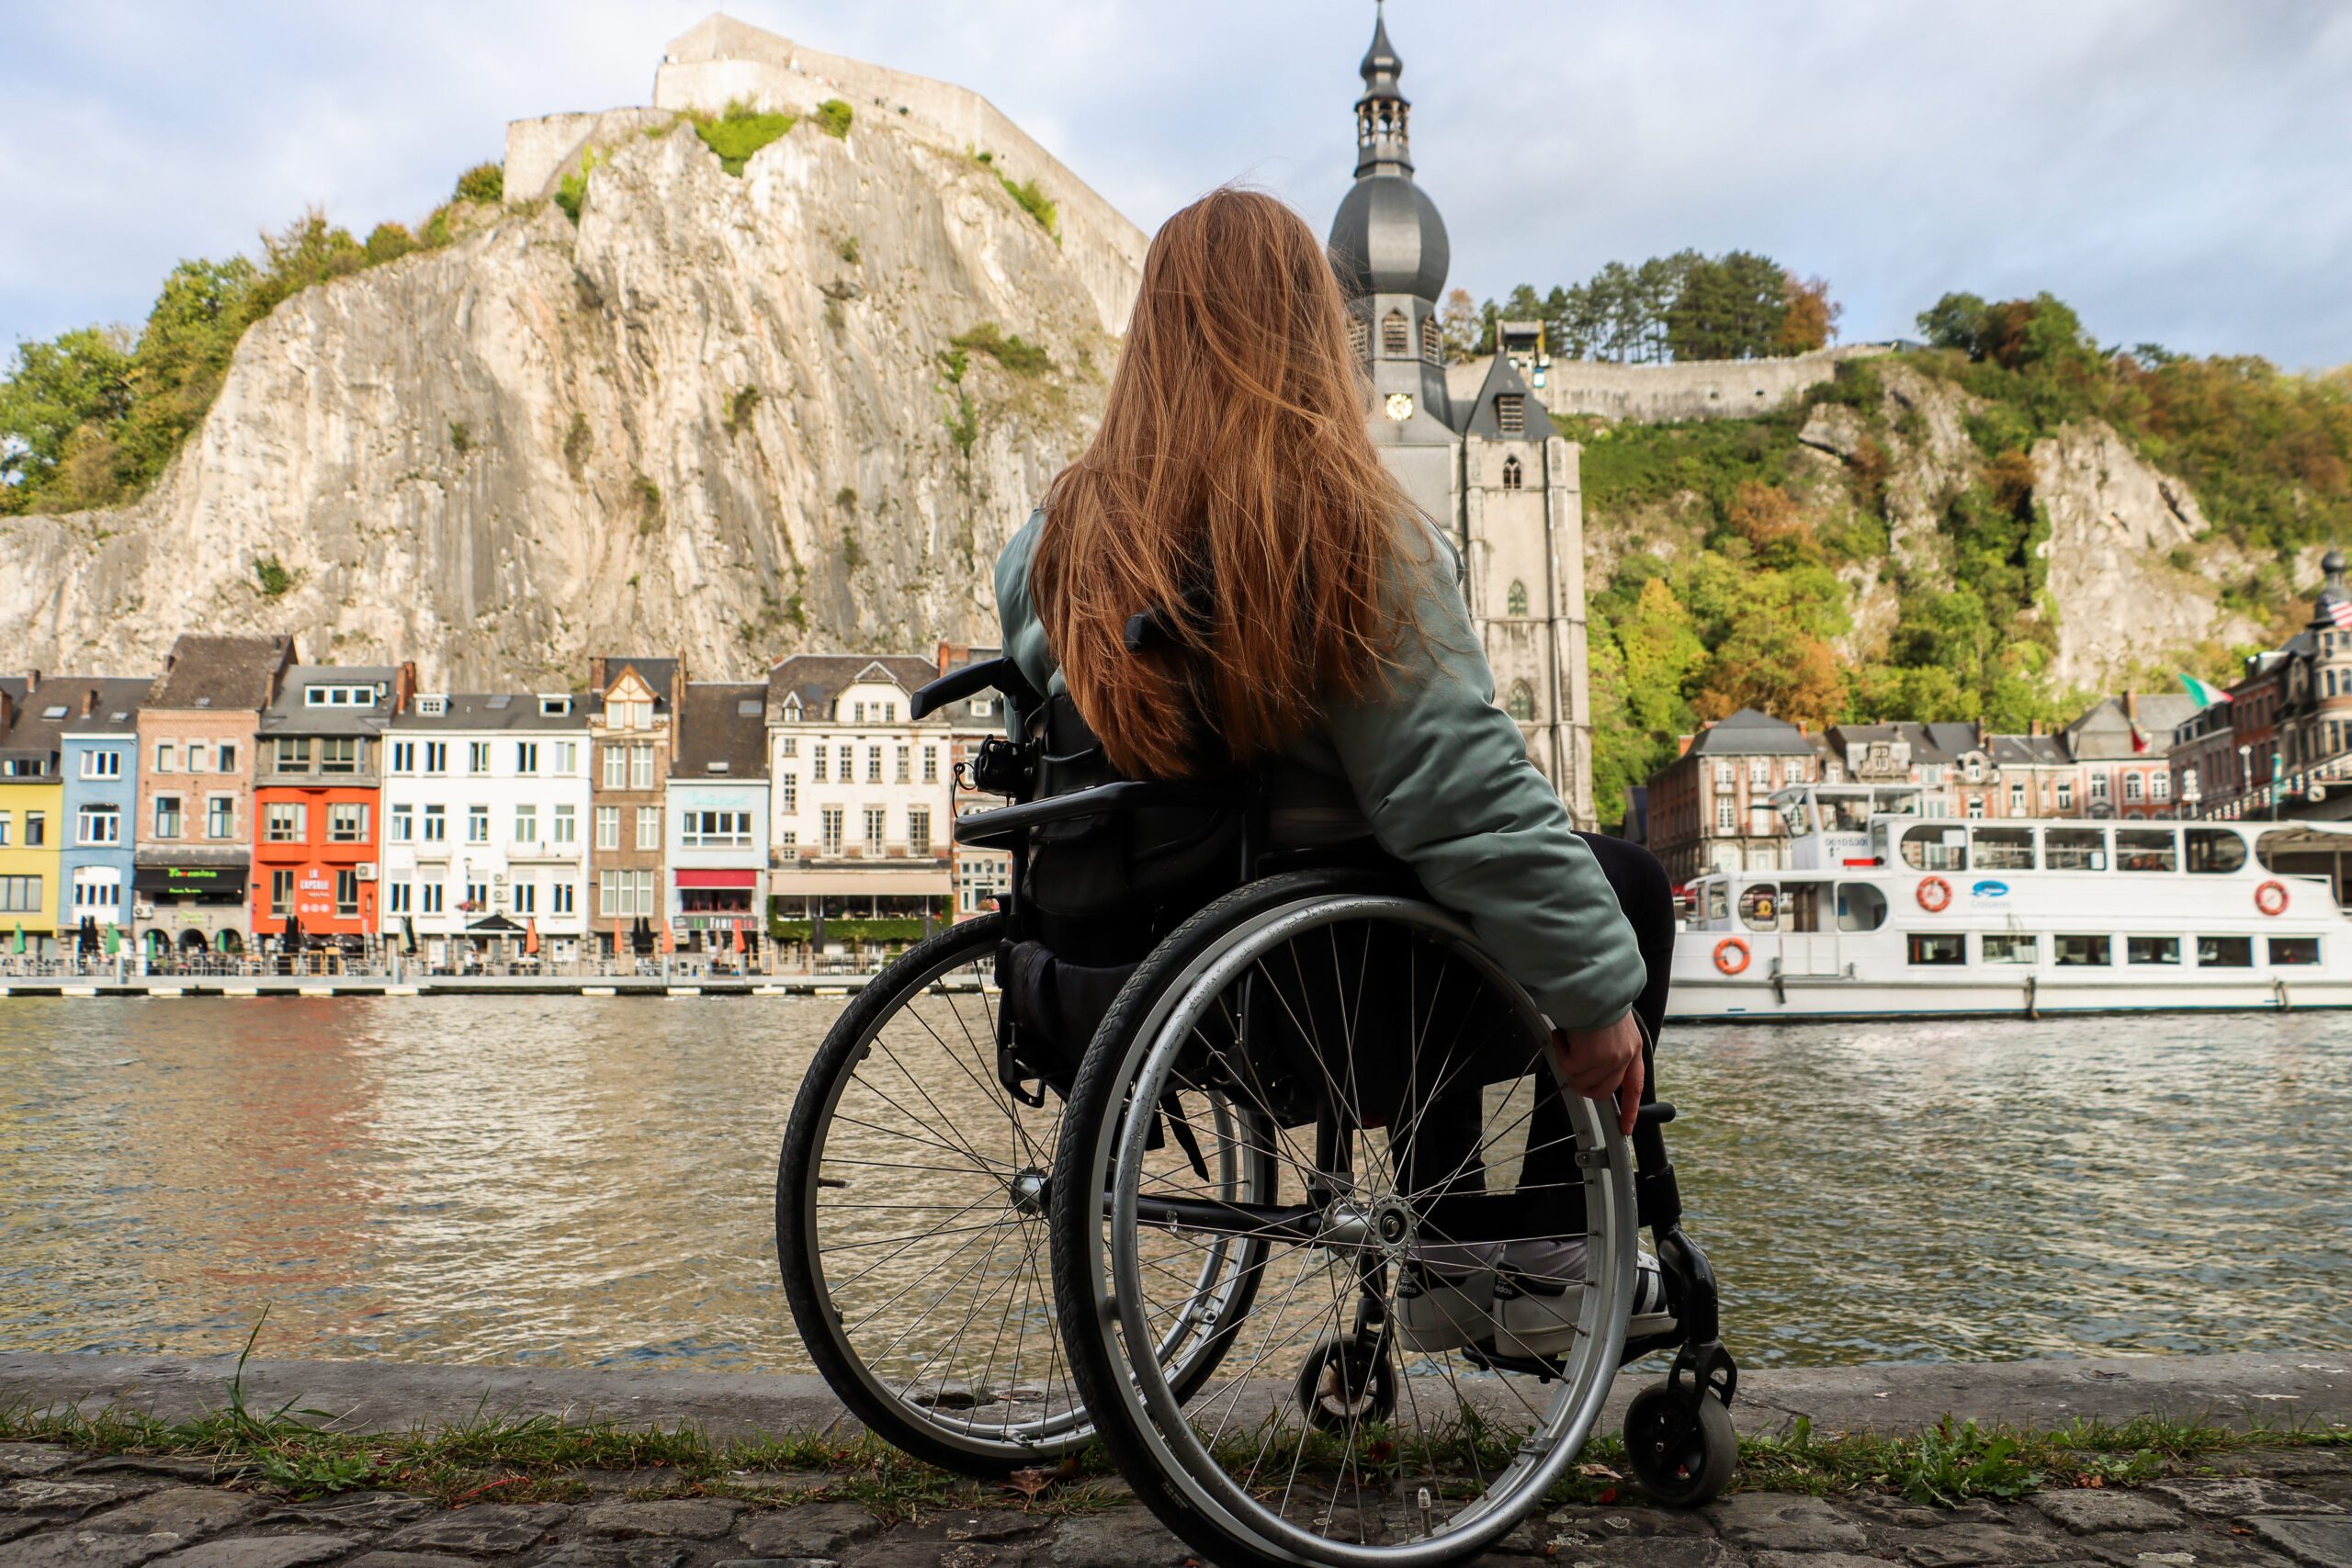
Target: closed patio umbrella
{"type": "Point", "coordinates": [20, 936]}
{"type": "Point", "coordinates": [740, 944]}
{"type": "Point", "coordinates": [531, 938]}
{"type": "Point", "coordinates": [669, 942]}
{"type": "Point", "coordinates": [114, 939]}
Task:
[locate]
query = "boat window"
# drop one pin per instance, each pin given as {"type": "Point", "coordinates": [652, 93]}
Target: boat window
{"type": "Point", "coordinates": [2213, 850]}
{"type": "Point", "coordinates": [2226, 952]}
{"type": "Point", "coordinates": [2001, 848]}
{"type": "Point", "coordinates": [2144, 849]}
{"type": "Point", "coordinates": [1759, 907]}
{"type": "Point", "coordinates": [1930, 847]}
{"type": "Point", "coordinates": [2300, 851]}
{"type": "Point", "coordinates": [2010, 947]}
{"type": "Point", "coordinates": [1848, 814]}
{"type": "Point", "coordinates": [1794, 818]}
{"type": "Point", "coordinates": [2152, 950]}
{"type": "Point", "coordinates": [1718, 902]}
{"type": "Point", "coordinates": [1860, 906]}
{"type": "Point", "coordinates": [2076, 952]}
{"type": "Point", "coordinates": [2074, 849]}
{"type": "Point", "coordinates": [1938, 947]}
{"type": "Point", "coordinates": [2294, 950]}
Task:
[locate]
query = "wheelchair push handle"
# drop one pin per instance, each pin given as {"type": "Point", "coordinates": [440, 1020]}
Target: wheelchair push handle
{"type": "Point", "coordinates": [989, 674]}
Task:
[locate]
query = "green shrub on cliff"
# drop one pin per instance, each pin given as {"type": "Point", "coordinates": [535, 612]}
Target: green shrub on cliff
{"type": "Point", "coordinates": [834, 117]}
{"type": "Point", "coordinates": [1032, 200]}
{"type": "Point", "coordinates": [740, 131]}
{"type": "Point", "coordinates": [483, 183]}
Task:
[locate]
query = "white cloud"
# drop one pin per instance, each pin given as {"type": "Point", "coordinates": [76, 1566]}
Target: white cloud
{"type": "Point", "coordinates": [2174, 170]}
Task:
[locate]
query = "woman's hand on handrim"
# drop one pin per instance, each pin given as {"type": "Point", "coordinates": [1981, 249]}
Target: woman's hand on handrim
{"type": "Point", "coordinates": [1595, 1061]}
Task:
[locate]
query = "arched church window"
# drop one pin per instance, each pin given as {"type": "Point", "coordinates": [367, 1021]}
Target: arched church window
{"type": "Point", "coordinates": [1515, 599]}
{"type": "Point", "coordinates": [1359, 336]}
{"type": "Point", "coordinates": [1394, 343]}
{"type": "Point", "coordinates": [1513, 476]}
{"type": "Point", "coordinates": [1522, 703]}
{"type": "Point", "coordinates": [1510, 413]}
{"type": "Point", "coordinates": [1432, 341]}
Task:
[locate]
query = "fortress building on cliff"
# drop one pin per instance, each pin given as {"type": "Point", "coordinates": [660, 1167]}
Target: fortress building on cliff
{"type": "Point", "coordinates": [1473, 443]}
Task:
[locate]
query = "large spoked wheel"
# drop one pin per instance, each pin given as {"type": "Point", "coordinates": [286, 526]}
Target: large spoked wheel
{"type": "Point", "coordinates": [912, 1198]}
{"type": "Point", "coordinates": [1403, 1085]}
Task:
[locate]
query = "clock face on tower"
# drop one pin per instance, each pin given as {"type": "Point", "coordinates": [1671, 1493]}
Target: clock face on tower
{"type": "Point", "coordinates": [1400, 406]}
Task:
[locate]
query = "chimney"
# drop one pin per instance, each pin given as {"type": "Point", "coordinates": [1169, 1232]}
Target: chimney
{"type": "Point", "coordinates": [596, 681]}
{"type": "Point", "coordinates": [2131, 707]}
{"type": "Point", "coordinates": [2033, 727]}
{"type": "Point", "coordinates": [32, 682]}
{"type": "Point", "coordinates": [1682, 745]}
{"type": "Point", "coordinates": [89, 701]}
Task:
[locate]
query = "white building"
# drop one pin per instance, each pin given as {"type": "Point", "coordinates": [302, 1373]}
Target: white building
{"type": "Point", "coordinates": [719, 819]}
{"type": "Point", "coordinates": [486, 812]}
{"type": "Point", "coordinates": [859, 794]}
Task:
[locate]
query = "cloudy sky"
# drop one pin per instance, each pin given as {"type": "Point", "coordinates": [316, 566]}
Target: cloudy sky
{"type": "Point", "coordinates": [2180, 171]}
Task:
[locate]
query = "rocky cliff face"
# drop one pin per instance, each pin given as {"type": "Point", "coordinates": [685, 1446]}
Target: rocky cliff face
{"type": "Point", "coordinates": [719, 415]}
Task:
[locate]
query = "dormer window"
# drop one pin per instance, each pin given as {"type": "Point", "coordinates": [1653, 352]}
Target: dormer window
{"type": "Point", "coordinates": [1432, 341]}
{"type": "Point", "coordinates": [792, 708]}
{"type": "Point", "coordinates": [1511, 412]}
{"type": "Point", "coordinates": [554, 707]}
{"type": "Point", "coordinates": [1514, 476]}
{"type": "Point", "coordinates": [433, 707]}
{"type": "Point", "coordinates": [1395, 343]}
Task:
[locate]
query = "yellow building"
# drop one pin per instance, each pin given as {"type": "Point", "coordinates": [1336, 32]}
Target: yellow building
{"type": "Point", "coordinates": [33, 827]}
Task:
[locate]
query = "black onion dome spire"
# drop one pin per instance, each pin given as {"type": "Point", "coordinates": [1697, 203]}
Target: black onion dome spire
{"type": "Point", "coordinates": [2333, 592]}
{"type": "Point", "coordinates": [1387, 237]}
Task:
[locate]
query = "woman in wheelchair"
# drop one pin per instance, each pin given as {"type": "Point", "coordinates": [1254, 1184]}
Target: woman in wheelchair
{"type": "Point", "coordinates": [1323, 1039]}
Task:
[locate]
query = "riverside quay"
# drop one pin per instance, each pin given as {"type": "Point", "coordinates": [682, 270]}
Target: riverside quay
{"type": "Point", "coordinates": [241, 814]}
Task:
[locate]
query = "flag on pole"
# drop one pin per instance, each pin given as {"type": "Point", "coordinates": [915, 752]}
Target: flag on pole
{"type": "Point", "coordinates": [2205, 691]}
{"type": "Point", "coordinates": [2339, 611]}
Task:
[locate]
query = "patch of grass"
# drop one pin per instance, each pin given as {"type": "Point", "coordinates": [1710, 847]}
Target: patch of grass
{"type": "Point", "coordinates": [273, 577]}
{"type": "Point", "coordinates": [740, 409]}
{"type": "Point", "coordinates": [577, 443]}
{"type": "Point", "coordinates": [964, 425]}
{"type": "Point", "coordinates": [1008, 350]}
{"type": "Point", "coordinates": [953, 363]}
{"type": "Point", "coordinates": [461, 437]}
{"type": "Point", "coordinates": [834, 117]}
{"type": "Point", "coordinates": [1032, 200]}
{"type": "Point", "coordinates": [740, 132]}
{"type": "Point", "coordinates": [847, 249]}
{"type": "Point", "coordinates": [845, 498]}
{"type": "Point", "coordinates": [571, 190]}
{"type": "Point", "coordinates": [648, 501]}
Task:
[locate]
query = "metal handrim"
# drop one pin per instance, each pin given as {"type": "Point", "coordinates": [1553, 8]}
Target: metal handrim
{"type": "Point", "coordinates": [1148, 1399]}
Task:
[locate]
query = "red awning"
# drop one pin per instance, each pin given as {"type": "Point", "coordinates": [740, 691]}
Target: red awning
{"type": "Point", "coordinates": [718, 879]}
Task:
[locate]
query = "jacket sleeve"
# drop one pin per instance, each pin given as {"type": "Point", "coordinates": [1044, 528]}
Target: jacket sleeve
{"type": "Point", "coordinates": [1023, 635]}
{"type": "Point", "coordinates": [1444, 777]}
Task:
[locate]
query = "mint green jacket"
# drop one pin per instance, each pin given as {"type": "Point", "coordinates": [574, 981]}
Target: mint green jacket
{"type": "Point", "coordinates": [1441, 778]}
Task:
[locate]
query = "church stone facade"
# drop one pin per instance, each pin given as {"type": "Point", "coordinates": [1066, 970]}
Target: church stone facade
{"type": "Point", "coordinates": [1471, 444]}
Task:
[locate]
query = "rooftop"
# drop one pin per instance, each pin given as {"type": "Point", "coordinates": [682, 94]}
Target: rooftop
{"type": "Point", "coordinates": [818, 679]}
{"type": "Point", "coordinates": [1750, 733]}
{"type": "Point", "coordinates": [440, 712]}
{"type": "Point", "coordinates": [232, 673]}
{"type": "Point", "coordinates": [723, 733]}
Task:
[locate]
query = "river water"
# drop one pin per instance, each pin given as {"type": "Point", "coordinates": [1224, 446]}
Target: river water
{"type": "Point", "coordinates": [589, 1181]}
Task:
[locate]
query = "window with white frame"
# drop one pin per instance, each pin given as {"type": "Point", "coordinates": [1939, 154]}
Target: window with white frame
{"type": "Point", "coordinates": [829, 819]}
{"type": "Point", "coordinates": [559, 898]}
{"type": "Point", "coordinates": [526, 823]}
{"type": "Point", "coordinates": [477, 823]}
{"type": "Point", "coordinates": [787, 792]}
{"type": "Point", "coordinates": [875, 818]}
{"type": "Point", "coordinates": [1760, 770]}
{"type": "Point", "coordinates": [2133, 788]}
{"type": "Point", "coordinates": [404, 756]}
{"type": "Point", "coordinates": [873, 764]}
{"type": "Point", "coordinates": [847, 757]}
{"type": "Point", "coordinates": [99, 825]}
{"type": "Point", "coordinates": [817, 755]}
{"type": "Point", "coordinates": [931, 764]}
{"type": "Point", "coordinates": [477, 757]}
{"type": "Point", "coordinates": [97, 892]}
{"type": "Point", "coordinates": [220, 817]}
{"type": "Point", "coordinates": [404, 820]}
{"type": "Point", "coordinates": [714, 829]}
{"type": "Point", "coordinates": [399, 899]}
{"type": "Point", "coordinates": [434, 894]}
{"type": "Point", "coordinates": [648, 826]}
{"type": "Point", "coordinates": [526, 756]}
{"type": "Point", "coordinates": [102, 762]}
{"type": "Point", "coordinates": [918, 830]}
{"type": "Point", "coordinates": [437, 823]}
{"type": "Point", "coordinates": [340, 754]}
{"type": "Point", "coordinates": [437, 756]}
{"type": "Point", "coordinates": [2160, 786]}
{"type": "Point", "coordinates": [640, 765]}
{"type": "Point", "coordinates": [565, 825]}
{"type": "Point", "coordinates": [567, 757]}
{"type": "Point", "coordinates": [2098, 786]}
{"type": "Point", "coordinates": [905, 761]}
{"type": "Point", "coordinates": [616, 767]}
{"type": "Point", "coordinates": [348, 823]}
{"type": "Point", "coordinates": [527, 896]}
{"type": "Point", "coordinates": [608, 827]}
{"type": "Point", "coordinates": [1722, 817]}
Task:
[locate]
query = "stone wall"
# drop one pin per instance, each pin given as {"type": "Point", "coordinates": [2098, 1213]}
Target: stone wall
{"type": "Point", "coordinates": [1657, 394]}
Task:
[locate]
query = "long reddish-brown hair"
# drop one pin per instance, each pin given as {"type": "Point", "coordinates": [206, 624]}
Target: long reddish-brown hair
{"type": "Point", "coordinates": [1232, 487]}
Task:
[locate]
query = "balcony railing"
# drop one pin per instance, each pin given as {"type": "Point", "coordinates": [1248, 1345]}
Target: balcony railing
{"type": "Point", "coordinates": [2311, 784]}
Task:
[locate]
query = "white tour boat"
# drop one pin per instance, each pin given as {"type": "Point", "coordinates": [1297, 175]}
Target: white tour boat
{"type": "Point", "coordinates": [1885, 912]}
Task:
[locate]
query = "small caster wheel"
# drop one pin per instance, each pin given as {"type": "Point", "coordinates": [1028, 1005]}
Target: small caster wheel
{"type": "Point", "coordinates": [1681, 1455]}
{"type": "Point", "coordinates": [1345, 1384]}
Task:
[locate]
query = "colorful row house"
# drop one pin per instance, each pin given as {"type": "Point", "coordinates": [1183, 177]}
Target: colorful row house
{"type": "Point", "coordinates": [318, 788]}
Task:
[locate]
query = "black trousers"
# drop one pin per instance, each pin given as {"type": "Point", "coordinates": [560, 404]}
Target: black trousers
{"type": "Point", "coordinates": [1438, 1147]}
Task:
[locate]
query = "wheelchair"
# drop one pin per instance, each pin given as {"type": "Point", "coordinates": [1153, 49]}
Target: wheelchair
{"type": "Point", "coordinates": [1192, 1178]}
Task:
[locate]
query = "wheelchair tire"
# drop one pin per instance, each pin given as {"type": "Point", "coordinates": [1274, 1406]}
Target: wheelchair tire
{"type": "Point", "coordinates": [942, 1341]}
{"type": "Point", "coordinates": [1229, 1465]}
{"type": "Point", "coordinates": [1683, 1455]}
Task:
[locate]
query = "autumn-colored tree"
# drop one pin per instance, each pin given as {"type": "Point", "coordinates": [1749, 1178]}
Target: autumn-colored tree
{"type": "Point", "coordinates": [1460, 326]}
{"type": "Point", "coordinates": [1767, 518]}
{"type": "Point", "coordinates": [1811, 320]}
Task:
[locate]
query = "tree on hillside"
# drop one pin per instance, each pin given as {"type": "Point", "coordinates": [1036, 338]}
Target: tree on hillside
{"type": "Point", "coordinates": [1728, 307]}
{"type": "Point", "coordinates": [1811, 319]}
{"type": "Point", "coordinates": [78, 380]}
{"type": "Point", "coordinates": [1458, 325]}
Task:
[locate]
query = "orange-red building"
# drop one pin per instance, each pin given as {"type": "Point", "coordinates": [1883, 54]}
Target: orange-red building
{"type": "Point", "coordinates": [318, 798]}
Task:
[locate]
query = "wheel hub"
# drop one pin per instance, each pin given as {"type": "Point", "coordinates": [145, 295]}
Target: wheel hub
{"type": "Point", "coordinates": [1031, 1191]}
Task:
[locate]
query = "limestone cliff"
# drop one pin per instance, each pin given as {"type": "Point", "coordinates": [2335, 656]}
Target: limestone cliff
{"type": "Point", "coordinates": [721, 413]}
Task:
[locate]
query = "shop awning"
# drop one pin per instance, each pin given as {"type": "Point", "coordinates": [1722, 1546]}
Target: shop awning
{"type": "Point", "coordinates": [708, 878]}
{"type": "Point", "coordinates": [933, 880]}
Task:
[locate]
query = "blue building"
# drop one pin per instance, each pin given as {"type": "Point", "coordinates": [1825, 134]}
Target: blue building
{"type": "Point", "coordinates": [99, 762]}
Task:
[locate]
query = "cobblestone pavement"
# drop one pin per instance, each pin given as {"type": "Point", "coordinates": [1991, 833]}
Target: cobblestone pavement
{"type": "Point", "coordinates": [59, 1507]}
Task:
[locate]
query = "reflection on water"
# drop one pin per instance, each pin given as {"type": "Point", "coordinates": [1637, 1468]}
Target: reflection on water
{"type": "Point", "coordinates": [589, 1179]}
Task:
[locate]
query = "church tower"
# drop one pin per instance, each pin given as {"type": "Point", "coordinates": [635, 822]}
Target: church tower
{"type": "Point", "coordinates": [1471, 444]}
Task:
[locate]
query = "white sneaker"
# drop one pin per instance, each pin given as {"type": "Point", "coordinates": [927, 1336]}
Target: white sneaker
{"type": "Point", "coordinates": [1538, 1295]}
{"type": "Point", "coordinates": [1445, 1297]}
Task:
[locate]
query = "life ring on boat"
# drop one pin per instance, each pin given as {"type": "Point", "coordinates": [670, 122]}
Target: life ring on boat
{"type": "Point", "coordinates": [1731, 955]}
{"type": "Point", "coordinates": [1934, 894]}
{"type": "Point", "coordinates": [2271, 898]}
